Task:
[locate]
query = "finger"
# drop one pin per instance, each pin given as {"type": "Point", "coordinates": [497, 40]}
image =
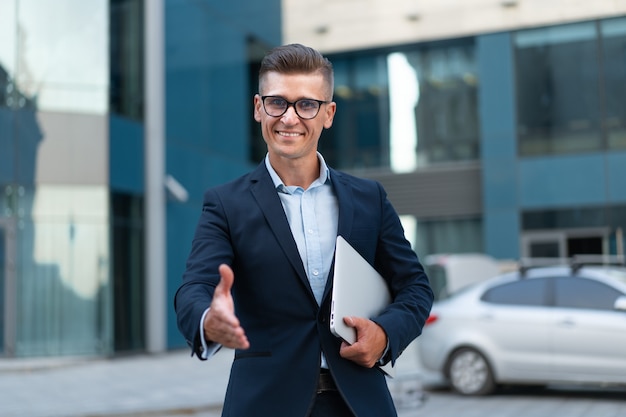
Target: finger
{"type": "Point", "coordinates": [227, 278]}
{"type": "Point", "coordinates": [356, 322]}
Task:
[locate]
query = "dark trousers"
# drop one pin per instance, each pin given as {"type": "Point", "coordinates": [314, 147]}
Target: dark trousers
{"type": "Point", "coordinates": [330, 404]}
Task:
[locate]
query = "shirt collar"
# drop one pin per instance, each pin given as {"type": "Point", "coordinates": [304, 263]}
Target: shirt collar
{"type": "Point", "coordinates": [324, 177]}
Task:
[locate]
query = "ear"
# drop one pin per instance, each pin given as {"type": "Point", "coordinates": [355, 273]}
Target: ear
{"type": "Point", "coordinates": [258, 107]}
{"type": "Point", "coordinates": [329, 114]}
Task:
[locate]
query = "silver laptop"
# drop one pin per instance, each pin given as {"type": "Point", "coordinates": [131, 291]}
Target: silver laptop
{"type": "Point", "coordinates": [358, 290]}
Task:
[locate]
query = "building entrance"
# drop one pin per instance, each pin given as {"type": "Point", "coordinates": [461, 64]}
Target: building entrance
{"type": "Point", "coordinates": [564, 243]}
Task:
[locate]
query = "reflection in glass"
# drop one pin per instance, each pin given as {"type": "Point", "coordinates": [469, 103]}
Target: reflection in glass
{"type": "Point", "coordinates": [63, 258]}
{"type": "Point", "coordinates": [8, 45]}
{"type": "Point", "coordinates": [128, 272]}
{"type": "Point", "coordinates": [126, 51]}
{"type": "Point", "coordinates": [403, 98]}
{"type": "Point", "coordinates": [62, 57]}
{"type": "Point", "coordinates": [449, 236]}
{"type": "Point", "coordinates": [405, 108]}
{"type": "Point", "coordinates": [447, 112]}
{"type": "Point", "coordinates": [558, 106]}
{"type": "Point", "coordinates": [613, 33]}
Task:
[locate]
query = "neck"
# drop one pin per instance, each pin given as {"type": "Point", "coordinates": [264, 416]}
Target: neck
{"type": "Point", "coordinates": [299, 172]}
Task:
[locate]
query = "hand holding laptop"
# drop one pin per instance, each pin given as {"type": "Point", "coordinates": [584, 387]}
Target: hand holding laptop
{"type": "Point", "coordinates": [370, 344]}
{"type": "Point", "coordinates": [359, 292]}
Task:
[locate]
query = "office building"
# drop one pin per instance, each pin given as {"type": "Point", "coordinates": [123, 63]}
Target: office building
{"type": "Point", "coordinates": [497, 126]}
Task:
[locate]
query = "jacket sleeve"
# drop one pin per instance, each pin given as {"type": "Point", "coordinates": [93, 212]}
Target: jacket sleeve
{"type": "Point", "coordinates": [412, 295]}
{"type": "Point", "coordinates": [210, 248]}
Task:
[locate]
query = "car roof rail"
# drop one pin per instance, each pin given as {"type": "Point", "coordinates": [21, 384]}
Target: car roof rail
{"type": "Point", "coordinates": [525, 264]}
{"type": "Point", "coordinates": [578, 261]}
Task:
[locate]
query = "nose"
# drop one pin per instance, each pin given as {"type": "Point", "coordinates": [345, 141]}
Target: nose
{"type": "Point", "coordinates": [290, 116]}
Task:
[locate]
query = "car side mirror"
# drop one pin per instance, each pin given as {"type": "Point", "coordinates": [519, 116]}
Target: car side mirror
{"type": "Point", "coordinates": [620, 303]}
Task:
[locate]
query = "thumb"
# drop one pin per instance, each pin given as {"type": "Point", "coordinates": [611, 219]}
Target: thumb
{"type": "Point", "coordinates": [350, 321]}
{"type": "Point", "coordinates": [227, 277]}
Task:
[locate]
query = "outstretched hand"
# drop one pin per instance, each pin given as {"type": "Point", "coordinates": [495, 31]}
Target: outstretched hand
{"type": "Point", "coordinates": [371, 341]}
{"type": "Point", "coordinates": [221, 325]}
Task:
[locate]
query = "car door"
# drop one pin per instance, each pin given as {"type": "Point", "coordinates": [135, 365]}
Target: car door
{"type": "Point", "coordinates": [588, 334]}
{"type": "Point", "coordinates": [515, 321]}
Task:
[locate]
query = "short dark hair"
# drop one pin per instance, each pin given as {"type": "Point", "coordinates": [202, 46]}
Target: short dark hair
{"type": "Point", "coordinates": [297, 59]}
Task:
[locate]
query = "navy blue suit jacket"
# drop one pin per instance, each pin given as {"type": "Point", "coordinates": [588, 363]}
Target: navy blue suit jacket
{"type": "Point", "coordinates": [243, 225]}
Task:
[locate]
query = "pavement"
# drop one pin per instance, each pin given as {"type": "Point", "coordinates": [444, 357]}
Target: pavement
{"type": "Point", "coordinates": [160, 385]}
{"type": "Point", "coordinates": [169, 384]}
{"type": "Point", "coordinates": [174, 384]}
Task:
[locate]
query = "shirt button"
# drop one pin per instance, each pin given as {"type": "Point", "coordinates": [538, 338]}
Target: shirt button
{"type": "Point", "coordinates": [316, 272]}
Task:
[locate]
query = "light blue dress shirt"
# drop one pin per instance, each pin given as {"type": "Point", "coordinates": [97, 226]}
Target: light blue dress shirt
{"type": "Point", "coordinates": [313, 215]}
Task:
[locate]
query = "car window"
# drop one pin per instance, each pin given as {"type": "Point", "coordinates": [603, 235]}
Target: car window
{"type": "Point", "coordinates": [526, 292]}
{"type": "Point", "coordinates": [574, 292]}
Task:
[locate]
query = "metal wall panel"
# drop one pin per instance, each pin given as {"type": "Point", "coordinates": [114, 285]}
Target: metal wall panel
{"type": "Point", "coordinates": [435, 193]}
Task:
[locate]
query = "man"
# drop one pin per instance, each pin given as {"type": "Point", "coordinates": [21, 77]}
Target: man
{"type": "Point", "coordinates": [259, 274]}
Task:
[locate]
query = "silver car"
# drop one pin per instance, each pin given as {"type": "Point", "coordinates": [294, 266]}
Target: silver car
{"type": "Point", "coordinates": [563, 324]}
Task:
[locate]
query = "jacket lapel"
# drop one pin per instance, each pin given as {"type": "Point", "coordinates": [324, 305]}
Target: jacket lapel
{"type": "Point", "coordinates": [343, 191]}
{"type": "Point", "coordinates": [345, 202]}
{"type": "Point", "coordinates": [266, 196]}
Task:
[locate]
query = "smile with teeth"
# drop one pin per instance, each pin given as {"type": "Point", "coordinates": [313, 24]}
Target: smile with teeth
{"type": "Point", "coordinates": [289, 134]}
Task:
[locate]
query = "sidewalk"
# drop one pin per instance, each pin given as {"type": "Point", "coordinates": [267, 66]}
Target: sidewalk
{"type": "Point", "coordinates": [172, 384]}
{"type": "Point", "coordinates": [168, 384]}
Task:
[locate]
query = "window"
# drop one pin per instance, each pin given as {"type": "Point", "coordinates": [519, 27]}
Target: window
{"type": "Point", "coordinates": [564, 107]}
{"type": "Point", "coordinates": [128, 272]}
{"type": "Point", "coordinates": [558, 107]}
{"type": "Point", "coordinates": [526, 292]}
{"type": "Point", "coordinates": [613, 33]}
{"type": "Point", "coordinates": [126, 50]}
{"type": "Point", "coordinates": [449, 236]}
{"type": "Point", "coordinates": [572, 292]}
{"type": "Point", "coordinates": [404, 108]}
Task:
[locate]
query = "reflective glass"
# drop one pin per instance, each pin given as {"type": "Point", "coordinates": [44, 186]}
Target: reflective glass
{"type": "Point", "coordinates": [126, 46]}
{"type": "Point", "coordinates": [359, 136]}
{"type": "Point", "coordinates": [62, 265]}
{"type": "Point", "coordinates": [614, 59]}
{"type": "Point", "coordinates": [449, 236]}
{"type": "Point", "coordinates": [128, 272]}
{"type": "Point", "coordinates": [571, 292]}
{"type": "Point", "coordinates": [2, 283]}
{"type": "Point", "coordinates": [530, 292]}
{"type": "Point", "coordinates": [558, 106]}
{"type": "Point", "coordinates": [405, 109]}
{"type": "Point", "coordinates": [62, 50]}
{"type": "Point", "coordinates": [8, 34]}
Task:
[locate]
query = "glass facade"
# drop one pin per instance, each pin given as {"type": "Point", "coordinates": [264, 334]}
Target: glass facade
{"type": "Point", "coordinates": [613, 35]}
{"type": "Point", "coordinates": [126, 148]}
{"type": "Point", "coordinates": [449, 236]}
{"type": "Point", "coordinates": [128, 272]}
{"type": "Point", "coordinates": [126, 57]}
{"type": "Point", "coordinates": [54, 175]}
{"type": "Point", "coordinates": [3, 274]}
{"type": "Point", "coordinates": [570, 88]}
{"type": "Point", "coordinates": [405, 108]}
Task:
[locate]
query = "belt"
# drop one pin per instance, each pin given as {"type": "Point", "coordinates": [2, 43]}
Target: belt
{"type": "Point", "coordinates": [325, 382]}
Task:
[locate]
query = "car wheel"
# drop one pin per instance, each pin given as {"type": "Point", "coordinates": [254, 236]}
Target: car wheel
{"type": "Point", "coordinates": [470, 373]}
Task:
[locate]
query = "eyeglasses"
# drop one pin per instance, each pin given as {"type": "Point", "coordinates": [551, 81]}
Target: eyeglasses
{"type": "Point", "coordinates": [306, 108]}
